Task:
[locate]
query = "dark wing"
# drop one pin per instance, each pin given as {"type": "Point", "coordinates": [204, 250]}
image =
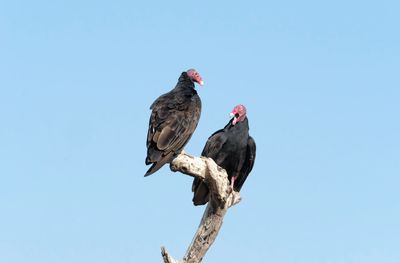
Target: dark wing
{"type": "Point", "coordinates": [214, 144]}
{"type": "Point", "coordinates": [248, 164]}
{"type": "Point", "coordinates": [172, 123]}
{"type": "Point", "coordinates": [212, 150]}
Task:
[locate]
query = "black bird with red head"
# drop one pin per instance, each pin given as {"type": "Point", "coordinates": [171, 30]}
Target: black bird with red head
{"type": "Point", "coordinates": [173, 119]}
{"type": "Point", "coordinates": [233, 149]}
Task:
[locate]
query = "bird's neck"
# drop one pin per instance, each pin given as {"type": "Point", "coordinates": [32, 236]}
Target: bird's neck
{"type": "Point", "coordinates": [239, 125]}
{"type": "Point", "coordinates": [185, 82]}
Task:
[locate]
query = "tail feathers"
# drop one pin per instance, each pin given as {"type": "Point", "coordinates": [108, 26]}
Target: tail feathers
{"type": "Point", "coordinates": [201, 193]}
{"type": "Point", "coordinates": [153, 156]}
{"type": "Point", "coordinates": [157, 165]}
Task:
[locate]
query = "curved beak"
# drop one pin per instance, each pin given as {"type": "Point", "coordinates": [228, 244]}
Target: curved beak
{"type": "Point", "coordinates": [232, 115]}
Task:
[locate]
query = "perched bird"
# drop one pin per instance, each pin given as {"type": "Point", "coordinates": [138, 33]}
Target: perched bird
{"type": "Point", "coordinates": [233, 149]}
{"type": "Point", "coordinates": [173, 119]}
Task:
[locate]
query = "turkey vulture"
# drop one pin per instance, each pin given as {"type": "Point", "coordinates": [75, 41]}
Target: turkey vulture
{"type": "Point", "coordinates": [233, 149]}
{"type": "Point", "coordinates": [173, 119]}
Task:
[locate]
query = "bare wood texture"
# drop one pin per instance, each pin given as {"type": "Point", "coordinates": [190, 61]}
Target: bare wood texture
{"type": "Point", "coordinates": [221, 198]}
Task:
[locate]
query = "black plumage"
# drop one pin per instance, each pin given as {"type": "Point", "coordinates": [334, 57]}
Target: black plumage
{"type": "Point", "coordinates": [233, 149]}
{"type": "Point", "coordinates": [173, 119]}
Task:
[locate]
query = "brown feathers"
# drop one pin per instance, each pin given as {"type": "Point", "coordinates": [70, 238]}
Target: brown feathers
{"type": "Point", "coordinates": [174, 118]}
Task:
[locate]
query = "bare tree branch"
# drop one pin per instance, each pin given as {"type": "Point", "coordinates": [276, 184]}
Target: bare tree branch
{"type": "Point", "coordinates": [222, 197]}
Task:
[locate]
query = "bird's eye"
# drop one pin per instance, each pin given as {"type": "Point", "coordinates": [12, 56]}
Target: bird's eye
{"type": "Point", "coordinates": [237, 115]}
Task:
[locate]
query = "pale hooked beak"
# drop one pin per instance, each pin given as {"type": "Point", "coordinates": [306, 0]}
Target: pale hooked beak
{"type": "Point", "coordinates": [201, 82]}
{"type": "Point", "coordinates": [232, 115]}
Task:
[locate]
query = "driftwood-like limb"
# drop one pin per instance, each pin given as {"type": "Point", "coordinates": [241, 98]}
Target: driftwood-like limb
{"type": "Point", "coordinates": [167, 258]}
{"type": "Point", "coordinates": [222, 197]}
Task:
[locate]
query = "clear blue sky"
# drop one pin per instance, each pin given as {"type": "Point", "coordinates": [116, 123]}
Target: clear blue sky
{"type": "Point", "coordinates": [321, 83]}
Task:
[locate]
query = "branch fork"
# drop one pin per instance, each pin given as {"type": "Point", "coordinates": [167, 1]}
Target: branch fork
{"type": "Point", "coordinates": [222, 197]}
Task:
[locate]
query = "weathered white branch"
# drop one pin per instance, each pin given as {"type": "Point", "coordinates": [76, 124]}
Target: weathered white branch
{"type": "Point", "coordinates": [222, 197]}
